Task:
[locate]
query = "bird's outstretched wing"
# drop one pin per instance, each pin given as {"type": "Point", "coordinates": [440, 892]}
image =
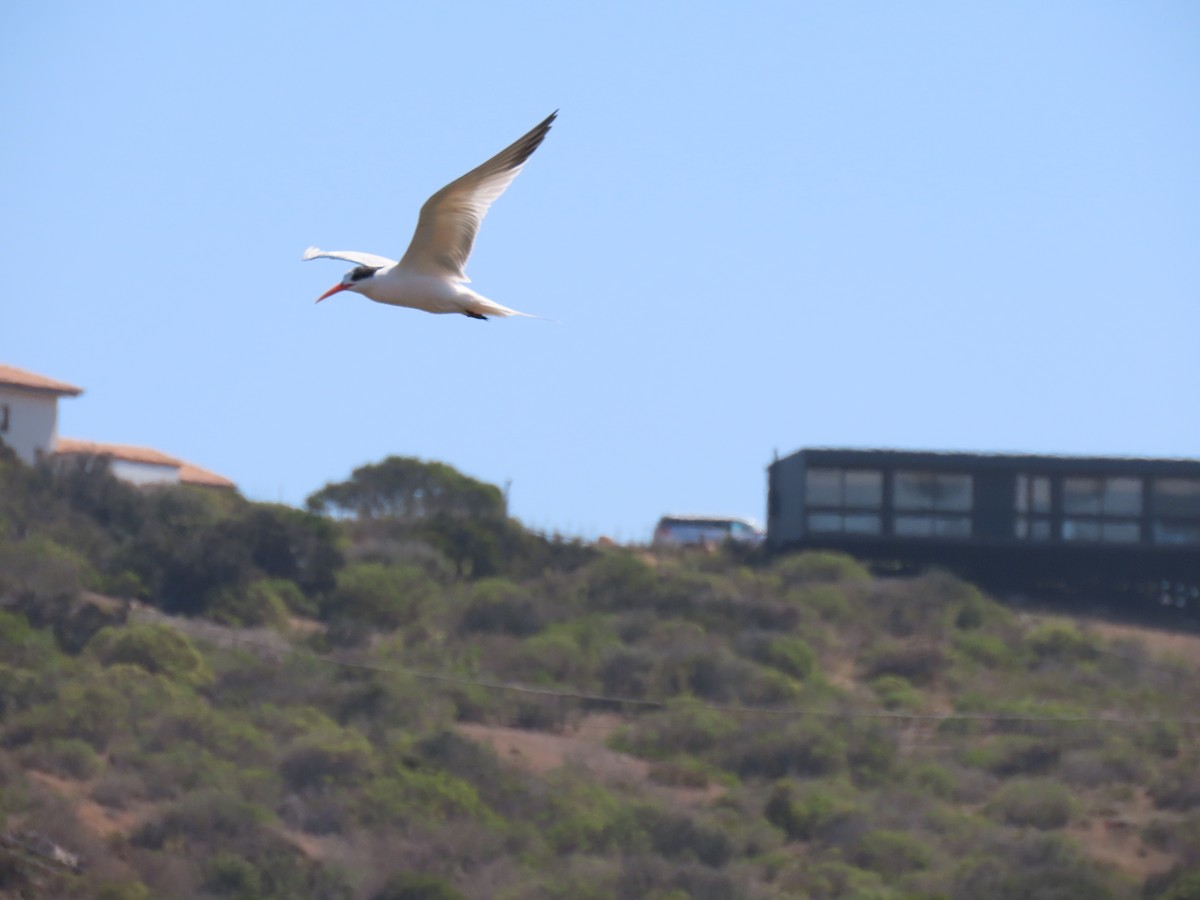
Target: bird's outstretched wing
{"type": "Point", "coordinates": [359, 259]}
{"type": "Point", "coordinates": [450, 218]}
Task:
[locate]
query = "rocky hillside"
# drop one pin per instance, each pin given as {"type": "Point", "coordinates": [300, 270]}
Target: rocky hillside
{"type": "Point", "coordinates": [402, 693]}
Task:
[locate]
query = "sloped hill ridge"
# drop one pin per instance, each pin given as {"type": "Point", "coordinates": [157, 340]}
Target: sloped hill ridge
{"type": "Point", "coordinates": [254, 701]}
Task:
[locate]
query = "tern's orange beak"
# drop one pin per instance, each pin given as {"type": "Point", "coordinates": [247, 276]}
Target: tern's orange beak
{"type": "Point", "coordinates": [333, 290]}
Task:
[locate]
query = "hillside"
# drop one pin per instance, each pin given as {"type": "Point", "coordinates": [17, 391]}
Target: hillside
{"type": "Point", "coordinates": [401, 693]}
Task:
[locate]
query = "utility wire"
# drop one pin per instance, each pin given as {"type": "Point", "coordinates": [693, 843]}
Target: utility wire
{"type": "Point", "coordinates": [277, 649]}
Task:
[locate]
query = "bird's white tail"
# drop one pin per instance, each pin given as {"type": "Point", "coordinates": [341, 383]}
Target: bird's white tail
{"type": "Point", "coordinates": [486, 307]}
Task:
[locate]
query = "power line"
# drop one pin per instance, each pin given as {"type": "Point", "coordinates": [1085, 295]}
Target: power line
{"type": "Point", "coordinates": [276, 649]}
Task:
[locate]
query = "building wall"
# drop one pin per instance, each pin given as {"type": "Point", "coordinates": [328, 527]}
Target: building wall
{"type": "Point", "coordinates": [144, 473]}
{"type": "Point", "coordinates": [28, 421]}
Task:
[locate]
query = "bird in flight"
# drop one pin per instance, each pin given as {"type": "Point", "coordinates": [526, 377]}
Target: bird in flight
{"type": "Point", "coordinates": [430, 275]}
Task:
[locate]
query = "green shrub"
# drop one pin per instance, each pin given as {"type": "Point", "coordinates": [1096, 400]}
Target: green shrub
{"type": "Point", "coordinates": [685, 726]}
{"type": "Point", "coordinates": [678, 836]}
{"type": "Point", "coordinates": [790, 655]}
{"type": "Point", "coordinates": [66, 757]}
{"type": "Point", "coordinates": [827, 601]}
{"type": "Point", "coordinates": [326, 758]}
{"type": "Point", "coordinates": [1061, 642]}
{"type": "Point", "coordinates": [918, 661]}
{"type": "Point", "coordinates": [1177, 785]}
{"type": "Point", "coordinates": [210, 817]}
{"type": "Point", "coordinates": [228, 874]}
{"type": "Point", "coordinates": [379, 595]}
{"type": "Point", "coordinates": [809, 815]}
{"type": "Point", "coordinates": [1009, 755]}
{"type": "Point", "coordinates": [1183, 886]}
{"type": "Point", "coordinates": [123, 890]}
{"type": "Point", "coordinates": [159, 649]}
{"type": "Point", "coordinates": [934, 778]}
{"type": "Point", "coordinates": [775, 750]}
{"type": "Point", "coordinates": [618, 580]}
{"type": "Point", "coordinates": [892, 853]}
{"type": "Point", "coordinates": [988, 650]}
{"type": "Point", "coordinates": [819, 566]}
{"type": "Point", "coordinates": [1033, 802]}
{"type": "Point", "coordinates": [895, 692]}
{"type": "Point", "coordinates": [417, 887]}
{"type": "Point", "coordinates": [1033, 865]}
{"type": "Point", "coordinates": [500, 606]}
{"type": "Point", "coordinates": [419, 796]}
{"type": "Point", "coordinates": [262, 602]}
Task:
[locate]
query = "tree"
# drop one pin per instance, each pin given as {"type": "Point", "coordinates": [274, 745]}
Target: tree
{"type": "Point", "coordinates": [409, 489]}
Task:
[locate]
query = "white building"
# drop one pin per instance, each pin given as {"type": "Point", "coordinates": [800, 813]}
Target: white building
{"type": "Point", "coordinates": [142, 465]}
{"type": "Point", "coordinates": [29, 411]}
{"type": "Point", "coordinates": [29, 424]}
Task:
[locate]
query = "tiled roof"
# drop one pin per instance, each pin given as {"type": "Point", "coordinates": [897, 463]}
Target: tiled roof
{"type": "Point", "coordinates": [15, 377]}
{"type": "Point", "coordinates": [188, 473]}
{"type": "Point", "coordinates": [118, 451]}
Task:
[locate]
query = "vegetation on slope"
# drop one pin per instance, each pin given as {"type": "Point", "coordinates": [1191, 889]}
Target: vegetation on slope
{"type": "Point", "coordinates": [265, 722]}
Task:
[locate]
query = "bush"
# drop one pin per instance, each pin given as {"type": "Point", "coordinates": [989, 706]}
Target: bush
{"type": "Point", "coordinates": [212, 818]}
{"type": "Point", "coordinates": [812, 815]}
{"type": "Point", "coordinates": [262, 602]}
{"type": "Point", "coordinates": [989, 650]}
{"type": "Point", "coordinates": [1035, 866]}
{"type": "Point", "coordinates": [1178, 785]}
{"type": "Point", "coordinates": [500, 606]}
{"type": "Point", "coordinates": [326, 757]}
{"type": "Point", "coordinates": [685, 726]}
{"type": "Point", "coordinates": [918, 661]}
{"type": "Point", "coordinates": [790, 655]}
{"type": "Point", "coordinates": [417, 887]}
{"type": "Point", "coordinates": [678, 836]}
{"type": "Point", "coordinates": [805, 749]}
{"type": "Point", "coordinates": [379, 595]}
{"type": "Point", "coordinates": [159, 649]}
{"type": "Point", "coordinates": [1033, 802]}
{"type": "Point", "coordinates": [1061, 642]}
{"type": "Point", "coordinates": [895, 692]}
{"type": "Point", "coordinates": [819, 566]}
{"type": "Point", "coordinates": [892, 853]}
{"type": "Point", "coordinates": [66, 757]}
{"type": "Point", "coordinates": [618, 580]}
{"type": "Point", "coordinates": [1009, 755]}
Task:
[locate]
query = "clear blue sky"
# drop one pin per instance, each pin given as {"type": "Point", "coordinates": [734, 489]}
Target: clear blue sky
{"type": "Point", "coordinates": [762, 226]}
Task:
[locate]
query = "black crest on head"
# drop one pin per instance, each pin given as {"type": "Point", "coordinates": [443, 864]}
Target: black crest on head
{"type": "Point", "coordinates": [358, 273]}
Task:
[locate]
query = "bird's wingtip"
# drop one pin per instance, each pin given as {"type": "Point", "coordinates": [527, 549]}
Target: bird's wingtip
{"type": "Point", "coordinates": [311, 253]}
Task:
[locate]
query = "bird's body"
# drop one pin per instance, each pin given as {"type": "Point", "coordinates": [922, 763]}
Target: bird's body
{"type": "Point", "coordinates": [431, 275]}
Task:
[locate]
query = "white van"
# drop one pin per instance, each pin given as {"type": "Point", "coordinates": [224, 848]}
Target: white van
{"type": "Point", "coordinates": [683, 531]}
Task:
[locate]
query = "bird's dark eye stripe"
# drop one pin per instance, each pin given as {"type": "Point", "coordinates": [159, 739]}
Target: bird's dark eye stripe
{"type": "Point", "coordinates": [361, 272]}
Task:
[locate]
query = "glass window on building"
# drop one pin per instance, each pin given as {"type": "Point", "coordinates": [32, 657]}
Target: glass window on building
{"type": "Point", "coordinates": [932, 491]}
{"type": "Point", "coordinates": [823, 487]}
{"type": "Point", "coordinates": [1102, 496]}
{"type": "Point", "coordinates": [1168, 532]}
{"type": "Point", "coordinates": [1033, 494]}
{"type": "Point", "coordinates": [1032, 503]}
{"type": "Point", "coordinates": [1177, 498]}
{"type": "Point", "coordinates": [844, 488]}
{"type": "Point", "coordinates": [1033, 528]}
{"type": "Point", "coordinates": [843, 523]}
{"type": "Point", "coordinates": [939, 526]}
{"type": "Point", "coordinates": [1102, 509]}
{"type": "Point", "coordinates": [1176, 510]}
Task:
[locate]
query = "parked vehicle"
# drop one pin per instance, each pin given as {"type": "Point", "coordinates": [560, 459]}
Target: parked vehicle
{"type": "Point", "coordinates": [685, 531]}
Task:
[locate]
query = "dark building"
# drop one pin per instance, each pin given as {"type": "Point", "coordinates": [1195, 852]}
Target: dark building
{"type": "Point", "coordinates": [1117, 524]}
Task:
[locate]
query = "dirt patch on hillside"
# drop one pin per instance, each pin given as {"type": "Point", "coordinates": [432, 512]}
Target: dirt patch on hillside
{"type": "Point", "coordinates": [1116, 839]}
{"type": "Point", "coordinates": [1173, 645]}
{"type": "Point", "coordinates": [91, 815]}
{"type": "Point", "coordinates": [584, 746]}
